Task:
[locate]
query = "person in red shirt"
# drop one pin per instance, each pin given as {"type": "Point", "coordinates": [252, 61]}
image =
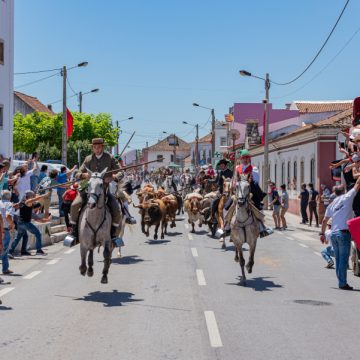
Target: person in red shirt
{"type": "Point", "coordinates": [210, 171]}
{"type": "Point", "coordinates": [68, 197]}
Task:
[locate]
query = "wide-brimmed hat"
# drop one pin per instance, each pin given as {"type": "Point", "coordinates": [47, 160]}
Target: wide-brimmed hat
{"type": "Point", "coordinates": [97, 141]}
{"type": "Point", "coordinates": [223, 161]}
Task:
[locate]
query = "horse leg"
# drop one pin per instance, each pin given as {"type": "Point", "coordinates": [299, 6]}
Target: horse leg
{"type": "Point", "coordinates": [90, 271]}
{"type": "Point", "coordinates": [236, 255]}
{"type": "Point", "coordinates": [82, 267]}
{"type": "Point", "coordinates": [193, 227]}
{"type": "Point", "coordinates": [107, 261]}
{"type": "Point", "coordinates": [250, 263]}
{"type": "Point", "coordinates": [223, 246]}
{"type": "Point", "coordinates": [242, 264]}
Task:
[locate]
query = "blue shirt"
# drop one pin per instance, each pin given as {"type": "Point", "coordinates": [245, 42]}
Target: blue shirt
{"type": "Point", "coordinates": [61, 179]}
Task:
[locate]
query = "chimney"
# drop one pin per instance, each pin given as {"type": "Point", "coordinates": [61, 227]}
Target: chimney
{"type": "Point", "coordinates": [287, 106]}
{"type": "Point", "coordinates": [50, 107]}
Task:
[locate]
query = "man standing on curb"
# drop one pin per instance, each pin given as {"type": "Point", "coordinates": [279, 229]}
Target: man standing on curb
{"type": "Point", "coordinates": [340, 211]}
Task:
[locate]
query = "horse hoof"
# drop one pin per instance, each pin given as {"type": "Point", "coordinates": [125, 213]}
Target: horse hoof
{"type": "Point", "coordinates": [162, 237]}
{"type": "Point", "coordinates": [147, 234]}
{"type": "Point", "coordinates": [104, 279]}
{"type": "Point", "coordinates": [223, 246]}
{"type": "Point", "coordinates": [236, 259]}
{"type": "Point", "coordinates": [242, 283]}
{"type": "Point", "coordinates": [193, 231]}
{"type": "Point", "coordinates": [82, 271]}
{"type": "Point", "coordinates": [249, 269]}
{"type": "Point", "coordinates": [90, 272]}
{"type": "Point", "coordinates": [200, 225]}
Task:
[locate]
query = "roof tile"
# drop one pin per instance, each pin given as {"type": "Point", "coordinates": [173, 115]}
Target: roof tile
{"type": "Point", "coordinates": [33, 102]}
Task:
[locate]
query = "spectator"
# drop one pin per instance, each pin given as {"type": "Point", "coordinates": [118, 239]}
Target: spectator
{"type": "Point", "coordinates": [62, 178]}
{"type": "Point", "coordinates": [68, 197]}
{"type": "Point", "coordinates": [34, 178]}
{"type": "Point", "coordinates": [6, 211]}
{"type": "Point", "coordinates": [328, 252]}
{"type": "Point", "coordinates": [325, 196]}
{"type": "Point", "coordinates": [43, 172]}
{"type": "Point", "coordinates": [276, 206]}
{"type": "Point", "coordinates": [6, 164]}
{"type": "Point", "coordinates": [269, 193]}
{"type": "Point", "coordinates": [210, 171]}
{"type": "Point", "coordinates": [313, 200]}
{"type": "Point", "coordinates": [2, 176]}
{"type": "Point", "coordinates": [284, 205]}
{"type": "Point", "coordinates": [340, 211]}
{"type": "Point", "coordinates": [304, 201]}
{"type": "Point", "coordinates": [43, 189]}
{"type": "Point", "coordinates": [23, 183]}
{"type": "Point", "coordinates": [13, 178]}
{"type": "Point", "coordinates": [25, 224]}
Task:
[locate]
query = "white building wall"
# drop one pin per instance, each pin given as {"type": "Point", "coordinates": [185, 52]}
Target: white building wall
{"type": "Point", "coordinates": [7, 76]}
{"type": "Point", "coordinates": [220, 132]}
{"type": "Point", "coordinates": [153, 155]}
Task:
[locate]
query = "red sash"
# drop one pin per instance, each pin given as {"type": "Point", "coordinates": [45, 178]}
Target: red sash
{"type": "Point", "coordinates": [240, 169]}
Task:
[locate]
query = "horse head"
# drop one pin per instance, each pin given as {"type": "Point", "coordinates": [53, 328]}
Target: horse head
{"type": "Point", "coordinates": [96, 188]}
{"type": "Point", "coordinates": [227, 186]}
{"type": "Point", "coordinates": [243, 190]}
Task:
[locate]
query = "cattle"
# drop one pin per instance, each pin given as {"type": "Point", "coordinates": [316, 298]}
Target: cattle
{"type": "Point", "coordinates": [171, 204]}
{"type": "Point", "coordinates": [146, 193]}
{"type": "Point", "coordinates": [153, 212]}
{"type": "Point", "coordinates": [192, 206]}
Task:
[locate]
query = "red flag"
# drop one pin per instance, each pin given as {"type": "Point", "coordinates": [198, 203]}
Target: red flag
{"type": "Point", "coordinates": [263, 134]}
{"type": "Point", "coordinates": [70, 122]}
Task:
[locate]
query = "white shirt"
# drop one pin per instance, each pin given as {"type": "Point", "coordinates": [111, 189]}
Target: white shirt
{"type": "Point", "coordinates": [328, 233]}
{"type": "Point", "coordinates": [6, 209]}
{"type": "Point", "coordinates": [23, 184]}
{"type": "Point", "coordinates": [340, 211]}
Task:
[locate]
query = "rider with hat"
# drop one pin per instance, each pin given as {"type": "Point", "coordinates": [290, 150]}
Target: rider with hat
{"type": "Point", "coordinates": [98, 161]}
{"type": "Point", "coordinates": [245, 166]}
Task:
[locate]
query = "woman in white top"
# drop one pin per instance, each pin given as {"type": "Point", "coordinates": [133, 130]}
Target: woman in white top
{"type": "Point", "coordinates": [23, 184]}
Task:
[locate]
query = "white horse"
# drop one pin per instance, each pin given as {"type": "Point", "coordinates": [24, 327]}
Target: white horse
{"type": "Point", "coordinates": [244, 226]}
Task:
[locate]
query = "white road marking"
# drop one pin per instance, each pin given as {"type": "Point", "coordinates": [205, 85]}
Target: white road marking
{"type": "Point", "coordinates": [194, 252]}
{"type": "Point", "coordinates": [190, 237]}
{"type": "Point", "coordinates": [289, 238]}
{"type": "Point", "coordinates": [69, 251]}
{"type": "Point", "coordinates": [214, 335]}
{"type": "Point", "coordinates": [52, 262]}
{"type": "Point", "coordinates": [200, 277]}
{"type": "Point", "coordinates": [305, 246]}
{"type": "Point", "coordinates": [186, 226]}
{"type": "Point", "coordinates": [317, 253]}
{"type": "Point", "coordinates": [32, 275]}
{"type": "Point", "coordinates": [6, 291]}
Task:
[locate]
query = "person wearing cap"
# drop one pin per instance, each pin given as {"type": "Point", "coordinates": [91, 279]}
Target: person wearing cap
{"type": "Point", "coordinates": [246, 167]}
{"type": "Point", "coordinates": [98, 161]}
{"type": "Point", "coordinates": [340, 211]}
{"type": "Point", "coordinates": [68, 197]}
{"type": "Point", "coordinates": [25, 225]}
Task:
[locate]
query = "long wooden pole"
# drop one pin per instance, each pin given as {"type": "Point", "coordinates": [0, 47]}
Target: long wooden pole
{"type": "Point", "coordinates": [123, 150]}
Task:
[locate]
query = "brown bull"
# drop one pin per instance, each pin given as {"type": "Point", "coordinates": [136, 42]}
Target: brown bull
{"type": "Point", "coordinates": [153, 212]}
{"type": "Point", "coordinates": [193, 208]}
{"type": "Point", "coordinates": [171, 204]}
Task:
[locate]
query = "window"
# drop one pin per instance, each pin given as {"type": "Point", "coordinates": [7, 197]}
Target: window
{"type": "Point", "coordinates": [275, 174]}
{"type": "Point", "coordinates": [294, 181]}
{"type": "Point", "coordinates": [302, 172]}
{"type": "Point", "coordinates": [1, 116]}
{"type": "Point", "coordinates": [159, 157]}
{"type": "Point", "coordinates": [288, 173]}
{"type": "Point", "coordinates": [312, 171]}
{"type": "Point", "coordinates": [2, 54]}
{"type": "Point", "coordinates": [282, 173]}
{"type": "Point", "coordinates": [223, 141]}
{"type": "Point", "coordinates": [172, 158]}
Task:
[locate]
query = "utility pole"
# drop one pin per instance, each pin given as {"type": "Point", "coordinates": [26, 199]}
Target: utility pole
{"type": "Point", "coordinates": [117, 137]}
{"type": "Point", "coordinates": [197, 146]}
{"type": "Point", "coordinates": [80, 101]}
{"type": "Point", "coordinates": [212, 134]}
{"type": "Point", "coordinates": [64, 119]}
{"type": "Point", "coordinates": [266, 140]}
{"type": "Point", "coordinates": [175, 141]}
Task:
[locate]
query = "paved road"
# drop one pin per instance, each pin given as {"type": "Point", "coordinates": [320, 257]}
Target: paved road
{"type": "Point", "coordinates": [179, 298]}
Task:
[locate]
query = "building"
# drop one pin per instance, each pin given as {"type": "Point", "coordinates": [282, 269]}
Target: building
{"type": "Point", "coordinates": [170, 153]}
{"type": "Point", "coordinates": [204, 150]}
{"type": "Point", "coordinates": [6, 77]}
{"type": "Point", "coordinates": [26, 104]}
{"type": "Point", "coordinates": [304, 155]}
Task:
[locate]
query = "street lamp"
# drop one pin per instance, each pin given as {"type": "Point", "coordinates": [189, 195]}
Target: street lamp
{"type": "Point", "coordinates": [118, 133]}
{"type": "Point", "coordinates": [212, 128]}
{"type": "Point", "coordinates": [196, 142]}
{"type": "Point", "coordinates": [266, 127]}
{"type": "Point", "coordinates": [63, 73]}
{"type": "Point", "coordinates": [81, 94]}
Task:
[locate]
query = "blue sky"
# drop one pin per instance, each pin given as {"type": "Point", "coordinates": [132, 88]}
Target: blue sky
{"type": "Point", "coordinates": [153, 59]}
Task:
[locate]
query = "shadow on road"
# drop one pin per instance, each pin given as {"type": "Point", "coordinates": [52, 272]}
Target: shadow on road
{"type": "Point", "coordinates": [259, 284]}
{"type": "Point", "coordinates": [157, 242]}
{"type": "Point", "coordinates": [200, 232]}
{"type": "Point", "coordinates": [4, 308]}
{"type": "Point", "coordinates": [109, 299]}
{"type": "Point", "coordinates": [174, 233]}
{"type": "Point", "coordinates": [127, 260]}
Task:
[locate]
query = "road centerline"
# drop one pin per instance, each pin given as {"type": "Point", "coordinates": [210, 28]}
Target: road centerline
{"type": "Point", "coordinates": [194, 252]}
{"type": "Point", "coordinates": [32, 275]}
{"type": "Point", "coordinates": [53, 261]}
{"type": "Point", "coordinates": [69, 251]}
{"type": "Point", "coordinates": [200, 277]}
{"type": "Point", "coordinates": [6, 291]}
{"type": "Point", "coordinates": [213, 330]}
{"type": "Point", "coordinates": [190, 237]}
{"type": "Point", "coordinates": [303, 245]}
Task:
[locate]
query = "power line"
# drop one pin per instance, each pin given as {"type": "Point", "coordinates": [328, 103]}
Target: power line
{"type": "Point", "coordinates": [57, 101]}
{"type": "Point", "coordinates": [318, 53]}
{"type": "Point", "coordinates": [323, 69]}
{"type": "Point", "coordinates": [36, 81]}
{"type": "Point", "coordinates": [36, 72]}
{"type": "Point", "coordinates": [68, 82]}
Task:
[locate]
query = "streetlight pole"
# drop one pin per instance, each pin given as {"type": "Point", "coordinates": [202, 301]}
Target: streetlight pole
{"type": "Point", "coordinates": [196, 162]}
{"type": "Point", "coordinates": [81, 97]}
{"type": "Point", "coordinates": [265, 175]}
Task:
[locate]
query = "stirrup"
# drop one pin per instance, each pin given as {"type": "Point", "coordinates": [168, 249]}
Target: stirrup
{"type": "Point", "coordinates": [118, 241]}
{"type": "Point", "coordinates": [70, 240]}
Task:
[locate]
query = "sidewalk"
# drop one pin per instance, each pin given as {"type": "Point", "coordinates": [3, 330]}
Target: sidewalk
{"type": "Point", "coordinates": [293, 222]}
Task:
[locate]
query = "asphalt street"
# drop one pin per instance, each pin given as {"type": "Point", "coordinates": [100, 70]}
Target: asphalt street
{"type": "Point", "coordinates": [179, 298]}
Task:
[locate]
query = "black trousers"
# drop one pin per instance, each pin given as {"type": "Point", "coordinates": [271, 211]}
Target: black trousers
{"type": "Point", "coordinates": [304, 215]}
{"type": "Point", "coordinates": [313, 211]}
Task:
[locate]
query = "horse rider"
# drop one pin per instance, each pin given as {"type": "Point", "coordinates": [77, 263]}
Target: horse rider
{"type": "Point", "coordinates": [169, 172]}
{"type": "Point", "coordinates": [224, 173]}
{"type": "Point", "coordinates": [98, 161]}
{"type": "Point", "coordinates": [183, 177]}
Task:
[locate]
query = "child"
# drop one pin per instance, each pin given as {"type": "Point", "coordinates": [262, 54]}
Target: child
{"type": "Point", "coordinates": [68, 197]}
{"type": "Point", "coordinates": [328, 252]}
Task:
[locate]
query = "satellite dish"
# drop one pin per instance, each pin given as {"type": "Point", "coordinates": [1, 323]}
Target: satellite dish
{"type": "Point", "coordinates": [235, 134]}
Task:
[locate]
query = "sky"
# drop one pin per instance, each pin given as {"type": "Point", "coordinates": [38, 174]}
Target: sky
{"type": "Point", "coordinates": [151, 59]}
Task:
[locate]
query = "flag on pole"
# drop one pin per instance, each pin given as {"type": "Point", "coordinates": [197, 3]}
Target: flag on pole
{"type": "Point", "coordinates": [70, 122]}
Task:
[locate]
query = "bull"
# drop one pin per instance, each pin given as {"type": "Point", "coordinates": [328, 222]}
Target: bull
{"type": "Point", "coordinates": [193, 208]}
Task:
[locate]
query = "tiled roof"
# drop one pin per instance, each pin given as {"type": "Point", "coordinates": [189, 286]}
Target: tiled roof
{"type": "Point", "coordinates": [323, 106]}
{"type": "Point", "coordinates": [33, 103]}
{"type": "Point", "coordinates": [205, 139]}
{"type": "Point", "coordinates": [163, 145]}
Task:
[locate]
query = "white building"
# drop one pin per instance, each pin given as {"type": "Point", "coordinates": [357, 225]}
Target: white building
{"type": "Point", "coordinates": [204, 150]}
{"type": "Point", "coordinates": [221, 137]}
{"type": "Point", "coordinates": [6, 76]}
{"type": "Point", "coordinates": [169, 153]}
